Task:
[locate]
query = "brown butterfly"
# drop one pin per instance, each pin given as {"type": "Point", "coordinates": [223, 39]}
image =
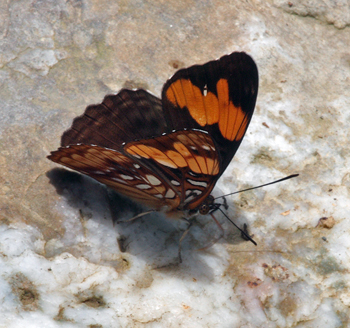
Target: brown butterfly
{"type": "Point", "coordinates": [167, 154]}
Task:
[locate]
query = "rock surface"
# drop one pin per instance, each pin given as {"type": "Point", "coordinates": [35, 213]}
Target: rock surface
{"type": "Point", "coordinates": [60, 263]}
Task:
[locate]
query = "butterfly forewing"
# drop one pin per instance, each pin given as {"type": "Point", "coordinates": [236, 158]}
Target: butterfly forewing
{"type": "Point", "coordinates": [218, 97]}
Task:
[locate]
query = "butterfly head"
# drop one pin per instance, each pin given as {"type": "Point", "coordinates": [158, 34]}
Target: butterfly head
{"type": "Point", "coordinates": [207, 206]}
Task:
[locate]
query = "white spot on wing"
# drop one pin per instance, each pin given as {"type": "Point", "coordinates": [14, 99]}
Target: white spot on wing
{"type": "Point", "coordinates": [197, 183]}
{"type": "Point", "coordinates": [170, 194]}
{"type": "Point", "coordinates": [167, 163]}
{"type": "Point", "coordinates": [205, 90]}
{"type": "Point", "coordinates": [188, 199]}
{"type": "Point", "coordinates": [137, 166]}
{"type": "Point", "coordinates": [158, 196]}
{"type": "Point", "coordinates": [100, 172]}
{"type": "Point", "coordinates": [118, 180]}
{"type": "Point", "coordinates": [175, 183]}
{"type": "Point", "coordinates": [192, 195]}
{"type": "Point", "coordinates": [154, 181]}
{"type": "Point", "coordinates": [126, 177]}
{"type": "Point", "coordinates": [192, 192]}
{"type": "Point", "coordinates": [143, 186]}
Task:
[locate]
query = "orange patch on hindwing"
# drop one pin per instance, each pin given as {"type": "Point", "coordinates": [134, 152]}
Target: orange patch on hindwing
{"type": "Point", "coordinates": [153, 153]}
{"type": "Point", "coordinates": [179, 158]}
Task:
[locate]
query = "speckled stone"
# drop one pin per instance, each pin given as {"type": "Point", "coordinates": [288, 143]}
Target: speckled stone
{"type": "Point", "coordinates": [60, 262]}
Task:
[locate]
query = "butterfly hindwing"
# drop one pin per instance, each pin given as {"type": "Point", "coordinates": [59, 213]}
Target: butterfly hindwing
{"type": "Point", "coordinates": [127, 116]}
{"type": "Point", "coordinates": [176, 170]}
{"type": "Point", "coordinates": [187, 160]}
{"type": "Point", "coordinates": [218, 97]}
{"type": "Point", "coordinates": [119, 172]}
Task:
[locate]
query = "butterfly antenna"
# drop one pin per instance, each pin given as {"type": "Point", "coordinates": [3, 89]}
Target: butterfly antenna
{"type": "Point", "coordinates": [214, 241]}
{"type": "Point", "coordinates": [244, 233]}
{"type": "Point", "coordinates": [263, 185]}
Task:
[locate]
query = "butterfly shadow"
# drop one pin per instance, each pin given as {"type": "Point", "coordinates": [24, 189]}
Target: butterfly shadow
{"type": "Point", "coordinates": [151, 237]}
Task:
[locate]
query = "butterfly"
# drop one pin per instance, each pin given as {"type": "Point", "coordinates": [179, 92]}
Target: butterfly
{"type": "Point", "coordinates": [167, 153]}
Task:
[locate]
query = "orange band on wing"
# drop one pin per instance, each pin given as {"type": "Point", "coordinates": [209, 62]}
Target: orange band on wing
{"type": "Point", "coordinates": [151, 152]}
{"type": "Point", "coordinates": [210, 109]}
{"type": "Point", "coordinates": [182, 157]}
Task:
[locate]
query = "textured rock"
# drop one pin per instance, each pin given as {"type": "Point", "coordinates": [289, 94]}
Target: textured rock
{"type": "Point", "coordinates": [57, 57]}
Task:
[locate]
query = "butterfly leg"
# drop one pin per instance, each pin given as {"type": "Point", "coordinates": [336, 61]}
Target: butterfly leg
{"type": "Point", "coordinates": [183, 236]}
{"type": "Point", "coordinates": [137, 216]}
{"type": "Point", "coordinates": [214, 241]}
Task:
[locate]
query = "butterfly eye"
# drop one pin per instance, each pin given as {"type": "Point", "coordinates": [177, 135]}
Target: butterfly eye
{"type": "Point", "coordinates": [204, 209]}
{"type": "Point", "coordinates": [207, 205]}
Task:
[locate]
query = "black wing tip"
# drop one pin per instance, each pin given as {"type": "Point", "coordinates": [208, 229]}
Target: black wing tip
{"type": "Point", "coordinates": [237, 61]}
